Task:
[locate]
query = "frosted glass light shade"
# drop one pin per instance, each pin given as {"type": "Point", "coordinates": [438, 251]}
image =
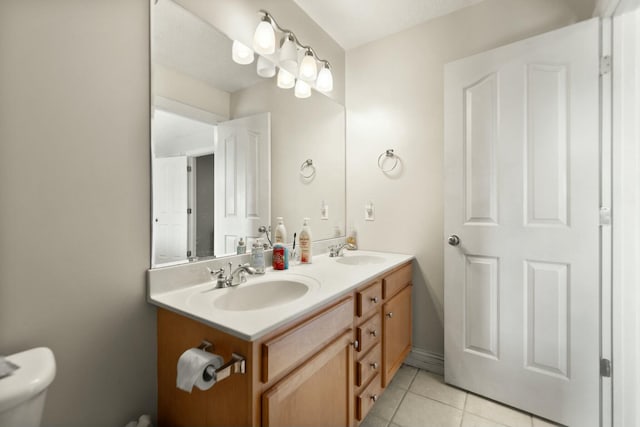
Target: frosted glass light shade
{"type": "Point", "coordinates": [302, 90]}
{"type": "Point", "coordinates": [289, 55]}
{"type": "Point", "coordinates": [286, 80]}
{"type": "Point", "coordinates": [325, 80]}
{"type": "Point", "coordinates": [308, 67]}
{"type": "Point", "coordinates": [241, 54]}
{"type": "Point", "coordinates": [265, 68]}
{"type": "Point", "coordinates": [264, 39]}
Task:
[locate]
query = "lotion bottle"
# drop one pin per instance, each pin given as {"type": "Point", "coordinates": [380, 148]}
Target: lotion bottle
{"type": "Point", "coordinates": [305, 242]}
{"type": "Point", "coordinates": [280, 235]}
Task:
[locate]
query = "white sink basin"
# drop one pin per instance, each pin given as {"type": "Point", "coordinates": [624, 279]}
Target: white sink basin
{"type": "Point", "coordinates": [256, 294]}
{"type": "Point", "coordinates": [360, 259]}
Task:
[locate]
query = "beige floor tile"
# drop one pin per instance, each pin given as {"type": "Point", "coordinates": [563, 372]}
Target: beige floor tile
{"type": "Point", "coordinates": [433, 386]}
{"type": "Point", "coordinates": [470, 420]}
{"type": "Point", "coordinates": [404, 377]}
{"type": "Point", "coordinates": [537, 422]}
{"type": "Point", "coordinates": [418, 411]}
{"type": "Point", "coordinates": [495, 412]}
{"type": "Point", "coordinates": [386, 406]}
{"type": "Point", "coordinates": [373, 421]}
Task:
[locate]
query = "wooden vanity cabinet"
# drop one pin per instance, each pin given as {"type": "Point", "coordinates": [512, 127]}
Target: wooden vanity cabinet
{"type": "Point", "coordinates": [309, 372]}
{"type": "Point", "coordinates": [383, 329]}
{"type": "Point", "coordinates": [396, 318]}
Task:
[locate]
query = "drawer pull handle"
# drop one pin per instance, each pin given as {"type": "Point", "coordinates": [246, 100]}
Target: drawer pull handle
{"type": "Point", "coordinates": [373, 333]}
{"type": "Point", "coordinates": [374, 397]}
{"type": "Point", "coordinates": [390, 314]}
{"type": "Point", "coordinates": [374, 365]}
{"type": "Point", "coordinates": [374, 300]}
{"type": "Point", "coordinates": [355, 344]}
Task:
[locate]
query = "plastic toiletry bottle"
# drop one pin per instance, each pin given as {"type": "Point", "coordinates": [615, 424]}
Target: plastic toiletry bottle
{"type": "Point", "coordinates": [280, 257]}
{"type": "Point", "coordinates": [257, 257]}
{"type": "Point", "coordinates": [280, 235]}
{"type": "Point", "coordinates": [242, 247]}
{"type": "Point", "coordinates": [305, 242]}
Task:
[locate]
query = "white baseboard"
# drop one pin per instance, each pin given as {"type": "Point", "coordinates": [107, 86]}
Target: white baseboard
{"type": "Point", "coordinates": [422, 359]}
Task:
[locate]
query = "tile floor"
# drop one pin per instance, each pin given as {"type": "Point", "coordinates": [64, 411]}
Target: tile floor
{"type": "Point", "coordinates": [416, 398]}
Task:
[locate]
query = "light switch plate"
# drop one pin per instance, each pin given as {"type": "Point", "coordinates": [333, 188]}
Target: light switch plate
{"type": "Point", "coordinates": [324, 211]}
{"type": "Point", "coordinates": [369, 212]}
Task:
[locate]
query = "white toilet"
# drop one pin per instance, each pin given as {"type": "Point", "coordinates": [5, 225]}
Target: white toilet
{"type": "Point", "coordinates": [22, 393]}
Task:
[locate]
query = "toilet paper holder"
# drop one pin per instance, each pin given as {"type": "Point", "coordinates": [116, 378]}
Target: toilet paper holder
{"type": "Point", "coordinates": [235, 365]}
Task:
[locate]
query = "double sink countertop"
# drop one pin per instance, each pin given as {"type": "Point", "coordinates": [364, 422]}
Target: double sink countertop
{"type": "Point", "coordinates": [259, 306]}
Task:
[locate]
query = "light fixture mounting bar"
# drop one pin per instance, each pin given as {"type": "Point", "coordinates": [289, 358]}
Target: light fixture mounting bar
{"type": "Point", "coordinates": [277, 27]}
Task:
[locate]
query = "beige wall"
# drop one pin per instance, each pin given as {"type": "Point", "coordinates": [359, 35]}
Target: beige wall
{"type": "Point", "coordinates": [75, 202]}
{"type": "Point", "coordinates": [180, 87]}
{"type": "Point", "coordinates": [312, 128]}
{"type": "Point", "coordinates": [395, 100]}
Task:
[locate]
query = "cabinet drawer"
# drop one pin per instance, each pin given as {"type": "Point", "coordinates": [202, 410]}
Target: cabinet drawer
{"type": "Point", "coordinates": [396, 281]}
{"type": "Point", "coordinates": [366, 399]}
{"type": "Point", "coordinates": [295, 345]}
{"type": "Point", "coordinates": [369, 365]}
{"type": "Point", "coordinates": [368, 334]}
{"type": "Point", "coordinates": [369, 298]}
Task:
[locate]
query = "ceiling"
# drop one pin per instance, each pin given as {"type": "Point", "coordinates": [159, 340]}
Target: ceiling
{"type": "Point", "coordinates": [352, 23]}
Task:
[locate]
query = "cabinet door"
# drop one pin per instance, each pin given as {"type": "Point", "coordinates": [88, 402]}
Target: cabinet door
{"type": "Point", "coordinates": [318, 393]}
{"type": "Point", "coordinates": [396, 332]}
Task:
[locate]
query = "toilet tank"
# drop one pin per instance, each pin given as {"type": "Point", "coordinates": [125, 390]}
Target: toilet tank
{"type": "Point", "coordinates": [22, 394]}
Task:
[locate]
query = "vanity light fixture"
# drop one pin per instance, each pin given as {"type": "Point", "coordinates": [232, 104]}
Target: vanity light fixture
{"type": "Point", "coordinates": [241, 54]}
{"type": "Point", "coordinates": [286, 80]}
{"type": "Point", "coordinates": [264, 39]}
{"type": "Point", "coordinates": [325, 78]}
{"type": "Point", "coordinates": [302, 90]}
{"type": "Point", "coordinates": [302, 75]}
{"type": "Point", "coordinates": [265, 68]}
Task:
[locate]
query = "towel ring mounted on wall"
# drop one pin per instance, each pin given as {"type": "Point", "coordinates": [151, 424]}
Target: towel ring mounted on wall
{"type": "Point", "coordinates": [307, 169]}
{"type": "Point", "coordinates": [388, 154]}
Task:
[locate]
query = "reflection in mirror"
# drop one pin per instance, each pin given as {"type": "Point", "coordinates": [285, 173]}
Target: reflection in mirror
{"type": "Point", "coordinates": [227, 146]}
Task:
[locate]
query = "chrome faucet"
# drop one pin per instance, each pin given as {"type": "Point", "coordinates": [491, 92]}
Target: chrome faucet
{"type": "Point", "coordinates": [235, 277]}
{"type": "Point", "coordinates": [336, 250]}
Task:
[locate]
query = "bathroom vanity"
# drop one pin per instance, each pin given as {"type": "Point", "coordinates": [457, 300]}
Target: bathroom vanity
{"type": "Point", "coordinates": [323, 359]}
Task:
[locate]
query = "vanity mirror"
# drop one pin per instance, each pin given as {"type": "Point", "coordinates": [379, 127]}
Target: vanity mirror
{"type": "Point", "coordinates": [228, 146]}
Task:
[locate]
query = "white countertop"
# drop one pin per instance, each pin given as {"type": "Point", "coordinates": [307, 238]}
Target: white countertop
{"type": "Point", "coordinates": [334, 279]}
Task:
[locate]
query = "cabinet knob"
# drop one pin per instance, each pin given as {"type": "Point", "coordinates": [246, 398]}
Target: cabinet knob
{"type": "Point", "coordinates": [355, 344]}
{"type": "Point", "coordinates": [374, 397]}
{"type": "Point", "coordinates": [374, 365]}
{"type": "Point", "coordinates": [373, 333]}
{"type": "Point", "coordinates": [390, 314]}
{"type": "Point", "coordinates": [374, 300]}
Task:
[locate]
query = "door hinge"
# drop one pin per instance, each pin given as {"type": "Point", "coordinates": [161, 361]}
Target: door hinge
{"type": "Point", "coordinates": [605, 368]}
{"type": "Point", "coordinates": [188, 211]}
{"type": "Point", "coordinates": [605, 65]}
{"type": "Point", "coordinates": [189, 168]}
{"type": "Point", "coordinates": [605, 215]}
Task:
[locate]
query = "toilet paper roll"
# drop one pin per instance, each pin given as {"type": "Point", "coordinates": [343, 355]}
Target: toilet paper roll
{"type": "Point", "coordinates": [192, 365]}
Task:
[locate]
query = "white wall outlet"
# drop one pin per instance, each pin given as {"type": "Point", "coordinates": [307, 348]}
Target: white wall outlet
{"type": "Point", "coordinates": [369, 212]}
{"type": "Point", "coordinates": [324, 211]}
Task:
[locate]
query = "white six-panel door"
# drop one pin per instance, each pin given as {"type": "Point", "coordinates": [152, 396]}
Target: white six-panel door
{"type": "Point", "coordinates": [242, 175]}
{"type": "Point", "coordinates": [522, 194]}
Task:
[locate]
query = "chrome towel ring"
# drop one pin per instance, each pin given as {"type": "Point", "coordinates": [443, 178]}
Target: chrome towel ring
{"type": "Point", "coordinates": [388, 154]}
{"type": "Point", "coordinates": [307, 169]}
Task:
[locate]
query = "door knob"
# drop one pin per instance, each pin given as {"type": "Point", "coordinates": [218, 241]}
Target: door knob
{"type": "Point", "coordinates": [454, 240]}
